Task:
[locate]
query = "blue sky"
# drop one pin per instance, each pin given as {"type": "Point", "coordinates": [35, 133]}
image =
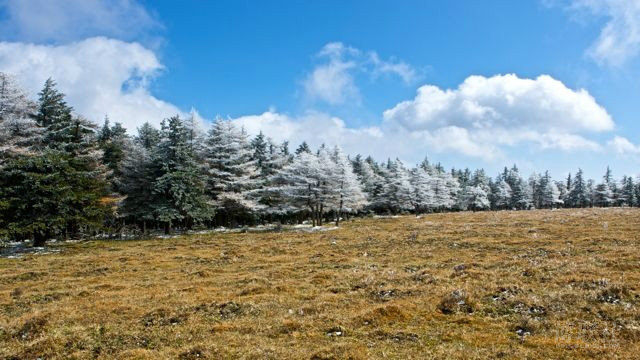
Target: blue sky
{"type": "Point", "coordinates": [349, 73]}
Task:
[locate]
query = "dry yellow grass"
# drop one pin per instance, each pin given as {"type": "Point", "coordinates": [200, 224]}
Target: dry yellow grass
{"type": "Point", "coordinates": [538, 284]}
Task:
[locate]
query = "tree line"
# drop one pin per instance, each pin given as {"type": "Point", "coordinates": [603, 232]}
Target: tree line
{"type": "Point", "coordinates": [62, 176]}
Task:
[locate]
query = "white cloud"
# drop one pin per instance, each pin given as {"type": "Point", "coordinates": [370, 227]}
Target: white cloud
{"type": "Point", "coordinates": [502, 101]}
{"type": "Point", "coordinates": [68, 20]}
{"type": "Point", "coordinates": [333, 82]}
{"type": "Point", "coordinates": [486, 112]}
{"type": "Point", "coordinates": [623, 146]}
{"type": "Point", "coordinates": [405, 71]}
{"type": "Point", "coordinates": [100, 77]}
{"type": "Point", "coordinates": [619, 39]}
{"type": "Point", "coordinates": [314, 127]}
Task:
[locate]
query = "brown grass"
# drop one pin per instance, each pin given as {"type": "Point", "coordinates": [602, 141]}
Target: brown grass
{"type": "Point", "coordinates": [539, 284]}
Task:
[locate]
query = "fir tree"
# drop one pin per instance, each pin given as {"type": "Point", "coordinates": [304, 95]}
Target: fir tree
{"type": "Point", "coordinates": [577, 196]}
{"type": "Point", "coordinates": [180, 188]}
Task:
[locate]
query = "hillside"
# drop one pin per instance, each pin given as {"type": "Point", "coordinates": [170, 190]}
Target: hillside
{"type": "Point", "coordinates": [536, 284]}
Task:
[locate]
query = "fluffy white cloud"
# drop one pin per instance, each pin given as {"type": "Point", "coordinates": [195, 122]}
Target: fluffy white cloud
{"type": "Point", "coordinates": [623, 146]}
{"type": "Point", "coordinates": [486, 112]}
{"type": "Point", "coordinates": [619, 39]}
{"type": "Point", "coordinates": [100, 77]}
{"type": "Point", "coordinates": [482, 118]}
{"type": "Point", "coordinates": [333, 81]}
{"type": "Point", "coordinates": [502, 101]}
{"type": "Point", "coordinates": [67, 20]}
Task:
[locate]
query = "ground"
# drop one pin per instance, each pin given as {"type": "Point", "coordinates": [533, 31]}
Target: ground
{"type": "Point", "coordinates": [509, 284]}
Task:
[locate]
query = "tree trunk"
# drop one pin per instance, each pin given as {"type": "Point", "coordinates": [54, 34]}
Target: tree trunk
{"type": "Point", "coordinates": [320, 214]}
{"type": "Point", "coordinates": [39, 239]}
{"type": "Point", "coordinates": [339, 212]}
{"type": "Point", "coordinates": [167, 228]}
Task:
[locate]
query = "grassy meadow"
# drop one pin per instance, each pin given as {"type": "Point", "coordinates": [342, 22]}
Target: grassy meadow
{"type": "Point", "coordinates": [509, 284]}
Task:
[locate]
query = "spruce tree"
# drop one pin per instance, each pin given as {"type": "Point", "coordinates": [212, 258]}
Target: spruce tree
{"type": "Point", "coordinates": [232, 172]}
{"type": "Point", "coordinates": [577, 196]}
{"type": "Point", "coordinates": [179, 190]}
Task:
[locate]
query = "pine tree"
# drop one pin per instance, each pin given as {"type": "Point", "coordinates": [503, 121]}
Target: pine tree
{"type": "Point", "coordinates": [477, 194]}
{"type": "Point", "coordinates": [628, 195]}
{"type": "Point", "coordinates": [423, 195]}
{"type": "Point", "coordinates": [19, 133]}
{"type": "Point", "coordinates": [180, 188]}
{"type": "Point", "coordinates": [232, 171]}
{"type": "Point", "coordinates": [397, 192]}
{"type": "Point", "coordinates": [550, 195]}
{"type": "Point", "coordinates": [502, 194]}
{"type": "Point", "coordinates": [114, 143]}
{"type": "Point", "coordinates": [148, 136]}
{"type": "Point", "coordinates": [299, 186]}
{"type": "Point", "coordinates": [67, 169]}
{"type": "Point", "coordinates": [520, 193]}
{"type": "Point", "coordinates": [304, 147]}
{"type": "Point", "coordinates": [372, 183]}
{"type": "Point", "coordinates": [577, 196]}
{"type": "Point", "coordinates": [475, 198]}
{"type": "Point", "coordinates": [349, 197]}
{"type": "Point", "coordinates": [259, 147]}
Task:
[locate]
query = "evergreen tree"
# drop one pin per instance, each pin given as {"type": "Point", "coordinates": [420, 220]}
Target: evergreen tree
{"type": "Point", "coordinates": [577, 196]}
{"type": "Point", "coordinates": [304, 147]}
{"type": "Point", "coordinates": [260, 149]}
{"type": "Point", "coordinates": [349, 195]}
{"type": "Point", "coordinates": [397, 192]}
{"type": "Point", "coordinates": [148, 136]}
{"type": "Point", "coordinates": [502, 194]}
{"type": "Point", "coordinates": [19, 133]}
{"type": "Point", "coordinates": [232, 171]}
{"type": "Point", "coordinates": [550, 195]}
{"type": "Point", "coordinates": [628, 195]}
{"type": "Point", "coordinates": [114, 143]}
{"type": "Point", "coordinates": [423, 196]}
{"type": "Point", "coordinates": [180, 187]}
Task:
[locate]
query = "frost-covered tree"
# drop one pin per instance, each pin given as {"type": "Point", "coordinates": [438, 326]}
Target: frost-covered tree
{"type": "Point", "coordinates": [19, 133]}
{"type": "Point", "coordinates": [502, 194]}
{"type": "Point", "coordinates": [577, 195]}
{"type": "Point", "coordinates": [350, 198]}
{"type": "Point", "coordinates": [114, 143]}
{"type": "Point", "coordinates": [179, 188]}
{"type": "Point", "coordinates": [397, 191]}
{"type": "Point", "coordinates": [603, 196]}
{"type": "Point", "coordinates": [301, 186]}
{"type": "Point", "coordinates": [627, 191]}
{"type": "Point", "coordinates": [232, 170]}
{"type": "Point", "coordinates": [372, 183]}
{"type": "Point", "coordinates": [520, 192]}
{"type": "Point", "coordinates": [138, 174]}
{"type": "Point", "coordinates": [604, 192]}
{"type": "Point", "coordinates": [475, 198]}
{"type": "Point", "coordinates": [423, 195]}
{"type": "Point", "coordinates": [550, 195]}
{"type": "Point", "coordinates": [148, 137]}
{"type": "Point", "coordinates": [304, 147]}
{"type": "Point", "coordinates": [59, 190]}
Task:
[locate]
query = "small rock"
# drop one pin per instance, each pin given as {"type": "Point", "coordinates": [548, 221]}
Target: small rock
{"type": "Point", "coordinates": [335, 331]}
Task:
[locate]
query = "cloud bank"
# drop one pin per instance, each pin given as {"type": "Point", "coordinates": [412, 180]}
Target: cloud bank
{"type": "Point", "coordinates": [100, 76]}
{"type": "Point", "coordinates": [480, 118]}
{"type": "Point", "coordinates": [44, 21]}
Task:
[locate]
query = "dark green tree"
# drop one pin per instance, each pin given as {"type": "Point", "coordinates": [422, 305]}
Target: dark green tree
{"type": "Point", "coordinates": [179, 190]}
